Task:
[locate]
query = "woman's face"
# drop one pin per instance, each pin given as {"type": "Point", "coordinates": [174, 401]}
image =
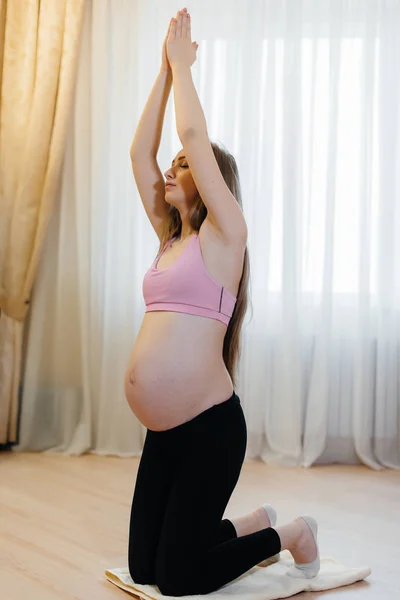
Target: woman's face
{"type": "Point", "coordinates": [184, 187]}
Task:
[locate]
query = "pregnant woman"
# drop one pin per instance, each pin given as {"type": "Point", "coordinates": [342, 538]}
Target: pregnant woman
{"type": "Point", "coordinates": [180, 377]}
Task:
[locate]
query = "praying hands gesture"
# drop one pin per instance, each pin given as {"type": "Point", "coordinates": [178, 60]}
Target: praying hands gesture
{"type": "Point", "coordinates": [178, 48]}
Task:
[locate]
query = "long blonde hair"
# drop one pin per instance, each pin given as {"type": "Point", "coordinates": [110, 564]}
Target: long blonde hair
{"type": "Point", "coordinates": [173, 226]}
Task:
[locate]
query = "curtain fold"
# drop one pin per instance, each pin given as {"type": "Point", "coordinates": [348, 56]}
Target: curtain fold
{"type": "Point", "coordinates": [39, 43]}
{"type": "Point", "coordinates": [306, 96]}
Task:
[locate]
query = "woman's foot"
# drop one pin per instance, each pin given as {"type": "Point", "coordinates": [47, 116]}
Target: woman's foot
{"type": "Point", "coordinates": [267, 515]}
{"type": "Point", "coordinates": [271, 519]}
{"type": "Point", "coordinates": [261, 518]}
{"type": "Point", "coordinates": [304, 549]}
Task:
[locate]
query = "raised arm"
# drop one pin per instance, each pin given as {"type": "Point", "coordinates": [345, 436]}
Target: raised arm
{"type": "Point", "coordinates": [144, 148]}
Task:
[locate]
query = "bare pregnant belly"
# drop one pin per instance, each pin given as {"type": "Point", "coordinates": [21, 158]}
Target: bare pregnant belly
{"type": "Point", "coordinates": [176, 369]}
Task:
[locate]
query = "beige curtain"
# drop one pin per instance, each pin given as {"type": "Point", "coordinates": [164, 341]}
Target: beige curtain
{"type": "Point", "coordinates": [39, 47]}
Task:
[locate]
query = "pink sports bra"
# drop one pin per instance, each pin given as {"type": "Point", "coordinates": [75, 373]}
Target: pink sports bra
{"type": "Point", "coordinates": [187, 287]}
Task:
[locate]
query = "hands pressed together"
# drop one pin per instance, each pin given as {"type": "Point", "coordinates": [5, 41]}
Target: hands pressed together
{"type": "Point", "coordinates": [178, 48]}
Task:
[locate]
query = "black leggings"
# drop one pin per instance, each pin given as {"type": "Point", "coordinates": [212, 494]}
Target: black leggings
{"type": "Point", "coordinates": [178, 540]}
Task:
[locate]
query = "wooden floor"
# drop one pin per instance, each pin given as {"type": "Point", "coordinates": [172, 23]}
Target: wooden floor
{"type": "Point", "coordinates": [64, 520]}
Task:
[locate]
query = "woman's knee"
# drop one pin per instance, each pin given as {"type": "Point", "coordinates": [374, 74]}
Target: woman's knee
{"type": "Point", "coordinates": [187, 578]}
{"type": "Point", "coordinates": [177, 586]}
{"type": "Point", "coordinates": [174, 578]}
{"type": "Point", "coordinates": [169, 589]}
{"type": "Point", "coordinates": [141, 574]}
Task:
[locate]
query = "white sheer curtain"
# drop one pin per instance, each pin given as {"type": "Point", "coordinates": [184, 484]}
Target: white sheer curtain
{"type": "Point", "coordinates": [306, 95]}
